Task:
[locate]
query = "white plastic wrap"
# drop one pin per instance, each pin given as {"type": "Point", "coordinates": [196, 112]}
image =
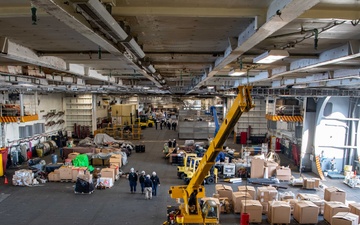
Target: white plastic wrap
{"type": "Point", "coordinates": [23, 178]}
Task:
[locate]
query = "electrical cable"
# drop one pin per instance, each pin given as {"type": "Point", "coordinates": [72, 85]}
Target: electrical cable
{"type": "Point", "coordinates": [309, 34]}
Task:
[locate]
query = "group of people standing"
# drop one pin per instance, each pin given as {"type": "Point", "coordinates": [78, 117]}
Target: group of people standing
{"type": "Point", "coordinates": [171, 125]}
{"type": "Point", "coordinates": [148, 183]}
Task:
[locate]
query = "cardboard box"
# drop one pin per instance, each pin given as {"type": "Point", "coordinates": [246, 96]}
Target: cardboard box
{"type": "Point", "coordinates": [355, 208]}
{"type": "Point", "coordinates": [279, 212]}
{"type": "Point", "coordinates": [224, 205]}
{"type": "Point", "coordinates": [86, 176]}
{"type": "Point", "coordinates": [115, 159]}
{"type": "Point", "coordinates": [54, 176]}
{"type": "Point", "coordinates": [106, 162]}
{"type": "Point", "coordinates": [116, 168]}
{"type": "Point", "coordinates": [317, 182]}
{"type": "Point", "coordinates": [108, 172]}
{"type": "Point", "coordinates": [75, 171]}
{"type": "Point", "coordinates": [266, 194]}
{"type": "Point", "coordinates": [248, 189]}
{"type": "Point", "coordinates": [106, 181]}
{"type": "Point", "coordinates": [335, 194]}
{"type": "Point", "coordinates": [286, 195]}
{"type": "Point", "coordinates": [237, 197]}
{"type": "Point", "coordinates": [306, 212]}
{"type": "Point", "coordinates": [224, 191]}
{"type": "Point", "coordinates": [308, 197]}
{"type": "Point", "coordinates": [283, 173]}
{"type": "Point", "coordinates": [254, 209]}
{"type": "Point", "coordinates": [344, 218]}
{"type": "Point", "coordinates": [106, 150]}
{"type": "Point", "coordinates": [96, 162]}
{"type": "Point", "coordinates": [292, 203]}
{"type": "Point", "coordinates": [65, 172]}
{"type": "Point", "coordinates": [257, 168]}
{"type": "Point", "coordinates": [331, 208]}
{"type": "Point", "coordinates": [72, 155]}
{"type": "Point", "coordinates": [309, 184]}
{"type": "Point", "coordinates": [271, 168]}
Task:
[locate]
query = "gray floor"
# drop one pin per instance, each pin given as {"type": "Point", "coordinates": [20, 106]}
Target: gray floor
{"type": "Point", "coordinates": [56, 203]}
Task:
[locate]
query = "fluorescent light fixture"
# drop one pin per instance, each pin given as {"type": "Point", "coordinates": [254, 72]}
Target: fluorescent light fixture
{"type": "Point", "coordinates": [271, 56]}
{"type": "Point", "coordinates": [236, 73]}
{"type": "Point", "coordinates": [146, 88]}
{"type": "Point", "coordinates": [210, 87]}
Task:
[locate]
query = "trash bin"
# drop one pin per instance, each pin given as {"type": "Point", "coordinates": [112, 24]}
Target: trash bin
{"type": "Point", "coordinates": [3, 160]}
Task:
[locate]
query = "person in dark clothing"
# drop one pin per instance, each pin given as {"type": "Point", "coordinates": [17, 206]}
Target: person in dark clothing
{"type": "Point", "coordinates": [148, 187]}
{"type": "Point", "coordinates": [156, 123]}
{"type": "Point", "coordinates": [161, 124]}
{"type": "Point", "coordinates": [133, 177]}
{"type": "Point", "coordinates": [155, 183]}
{"type": "Point", "coordinates": [142, 181]}
{"type": "Point", "coordinates": [169, 125]}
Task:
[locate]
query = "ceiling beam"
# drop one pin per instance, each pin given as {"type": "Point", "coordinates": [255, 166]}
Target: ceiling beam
{"type": "Point", "coordinates": [188, 11]}
{"type": "Point", "coordinates": [288, 10]}
{"type": "Point", "coordinates": [350, 50]}
{"type": "Point", "coordinates": [326, 13]}
{"type": "Point", "coordinates": [318, 77]}
{"type": "Point", "coordinates": [67, 14]}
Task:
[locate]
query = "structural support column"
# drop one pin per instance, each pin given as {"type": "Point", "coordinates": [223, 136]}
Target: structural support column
{"type": "Point", "coordinates": [21, 97]}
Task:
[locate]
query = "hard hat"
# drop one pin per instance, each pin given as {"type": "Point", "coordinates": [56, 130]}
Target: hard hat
{"type": "Point", "coordinates": [143, 172]}
{"type": "Point", "coordinates": [154, 173]}
{"type": "Point", "coordinates": [132, 170]}
{"type": "Point", "coordinates": [148, 176]}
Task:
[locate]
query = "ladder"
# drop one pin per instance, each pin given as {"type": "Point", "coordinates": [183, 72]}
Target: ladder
{"type": "Point", "coordinates": [318, 167]}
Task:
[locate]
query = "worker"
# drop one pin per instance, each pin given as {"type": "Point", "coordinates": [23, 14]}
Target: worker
{"type": "Point", "coordinates": [148, 187]}
{"type": "Point", "coordinates": [161, 124]}
{"type": "Point", "coordinates": [133, 177]}
{"type": "Point", "coordinates": [155, 182]}
{"type": "Point", "coordinates": [142, 181]}
{"type": "Point", "coordinates": [174, 143]}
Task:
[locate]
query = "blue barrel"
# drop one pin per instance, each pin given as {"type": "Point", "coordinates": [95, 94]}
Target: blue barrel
{"type": "Point", "coordinates": [54, 158]}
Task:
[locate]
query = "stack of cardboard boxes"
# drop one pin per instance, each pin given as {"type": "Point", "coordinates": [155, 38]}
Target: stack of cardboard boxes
{"type": "Point", "coordinates": [306, 207]}
{"type": "Point", "coordinates": [332, 208]}
{"type": "Point", "coordinates": [266, 195]}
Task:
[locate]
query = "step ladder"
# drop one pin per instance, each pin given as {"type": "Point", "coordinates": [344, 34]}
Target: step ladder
{"type": "Point", "coordinates": [318, 167]}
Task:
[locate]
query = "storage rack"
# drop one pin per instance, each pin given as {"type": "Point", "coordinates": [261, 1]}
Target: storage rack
{"type": "Point", "coordinates": [79, 110]}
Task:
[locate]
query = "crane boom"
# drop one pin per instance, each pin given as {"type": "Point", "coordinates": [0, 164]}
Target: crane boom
{"type": "Point", "coordinates": [190, 209]}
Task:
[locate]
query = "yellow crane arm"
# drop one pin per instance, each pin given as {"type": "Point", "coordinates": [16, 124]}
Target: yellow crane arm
{"type": "Point", "coordinates": [242, 103]}
{"type": "Point", "coordinates": [195, 190]}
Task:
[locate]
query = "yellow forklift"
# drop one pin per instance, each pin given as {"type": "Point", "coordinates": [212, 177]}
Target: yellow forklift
{"type": "Point", "coordinates": [186, 165]}
{"type": "Point", "coordinates": [194, 207]}
{"type": "Point", "coordinates": [144, 121]}
{"type": "Point", "coordinates": [189, 172]}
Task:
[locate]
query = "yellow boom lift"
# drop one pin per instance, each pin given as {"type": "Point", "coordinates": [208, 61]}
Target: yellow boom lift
{"type": "Point", "coordinates": [195, 208]}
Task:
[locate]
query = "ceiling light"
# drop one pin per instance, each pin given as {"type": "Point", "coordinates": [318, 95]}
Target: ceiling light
{"type": "Point", "coordinates": [236, 73]}
{"type": "Point", "coordinates": [146, 88]}
{"type": "Point", "coordinates": [210, 87]}
{"type": "Point", "coordinates": [271, 56]}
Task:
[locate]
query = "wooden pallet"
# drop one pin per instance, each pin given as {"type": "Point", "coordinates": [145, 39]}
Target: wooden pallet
{"type": "Point", "coordinates": [83, 193]}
